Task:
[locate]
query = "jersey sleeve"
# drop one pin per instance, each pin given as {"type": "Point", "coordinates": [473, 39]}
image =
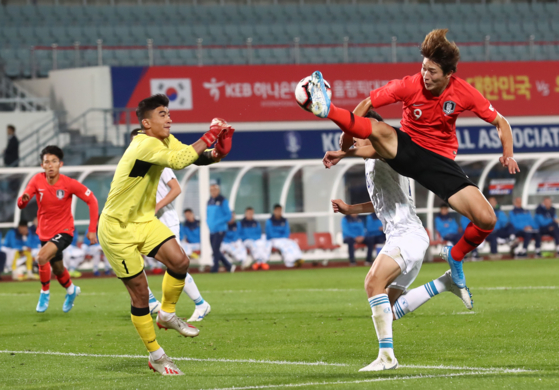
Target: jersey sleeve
{"type": "Point", "coordinates": [176, 156]}
{"type": "Point", "coordinates": [479, 105]}
{"type": "Point", "coordinates": [167, 175]}
{"type": "Point", "coordinates": [30, 190]}
{"type": "Point", "coordinates": [87, 196]}
{"type": "Point", "coordinates": [393, 92]}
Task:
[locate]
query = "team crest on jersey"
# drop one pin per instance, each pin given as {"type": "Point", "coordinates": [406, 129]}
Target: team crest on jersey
{"type": "Point", "coordinates": [448, 107]}
{"type": "Point", "coordinates": [60, 194]}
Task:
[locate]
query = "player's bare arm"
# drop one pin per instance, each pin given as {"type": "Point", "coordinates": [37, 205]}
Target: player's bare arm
{"type": "Point", "coordinates": [175, 190]}
{"type": "Point", "coordinates": [505, 134]}
{"type": "Point", "coordinates": [339, 206]}
{"type": "Point", "coordinates": [332, 158]}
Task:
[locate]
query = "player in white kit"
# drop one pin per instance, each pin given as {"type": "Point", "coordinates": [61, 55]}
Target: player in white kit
{"type": "Point", "coordinates": [400, 260]}
{"type": "Point", "coordinates": [167, 191]}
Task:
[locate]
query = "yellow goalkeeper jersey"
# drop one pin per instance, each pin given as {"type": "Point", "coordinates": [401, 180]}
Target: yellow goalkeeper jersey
{"type": "Point", "coordinates": [134, 186]}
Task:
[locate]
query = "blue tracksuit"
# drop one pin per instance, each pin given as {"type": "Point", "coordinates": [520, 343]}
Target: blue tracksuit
{"type": "Point", "coordinates": [503, 229]}
{"type": "Point", "coordinates": [190, 231]}
{"type": "Point", "coordinates": [447, 227]}
{"type": "Point", "coordinates": [520, 219]}
{"type": "Point", "coordinates": [373, 226]}
{"type": "Point", "coordinates": [250, 229]}
{"type": "Point", "coordinates": [33, 240]}
{"type": "Point", "coordinates": [233, 232]}
{"type": "Point", "coordinates": [546, 222]}
{"type": "Point", "coordinates": [219, 214]}
{"type": "Point", "coordinates": [352, 227]}
{"type": "Point", "coordinates": [277, 228]}
{"type": "Point", "coordinates": [15, 240]}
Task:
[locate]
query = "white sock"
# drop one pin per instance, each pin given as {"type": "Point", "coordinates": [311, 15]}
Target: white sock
{"type": "Point", "coordinates": [70, 289]}
{"type": "Point", "coordinates": [192, 291]}
{"type": "Point", "coordinates": [45, 292]}
{"type": "Point", "coordinates": [382, 318]}
{"type": "Point", "coordinates": [155, 355]}
{"type": "Point", "coordinates": [166, 316]}
{"type": "Point", "coordinates": [151, 296]}
{"type": "Point", "coordinates": [419, 295]}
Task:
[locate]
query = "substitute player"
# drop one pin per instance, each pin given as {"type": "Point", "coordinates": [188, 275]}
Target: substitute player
{"type": "Point", "coordinates": [425, 148]}
{"type": "Point", "coordinates": [400, 259]}
{"type": "Point", "coordinates": [167, 191]}
{"type": "Point", "coordinates": [55, 222]}
{"type": "Point", "coordinates": [129, 228]}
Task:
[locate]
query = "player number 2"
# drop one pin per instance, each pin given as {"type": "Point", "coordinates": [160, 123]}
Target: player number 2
{"type": "Point", "coordinates": [125, 267]}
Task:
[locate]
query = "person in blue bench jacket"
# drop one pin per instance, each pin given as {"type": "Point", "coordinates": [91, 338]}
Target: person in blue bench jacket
{"type": "Point", "coordinates": [374, 235]}
{"type": "Point", "coordinates": [546, 218]}
{"type": "Point", "coordinates": [218, 215]}
{"type": "Point", "coordinates": [446, 225]}
{"type": "Point", "coordinates": [524, 226]}
{"type": "Point", "coordinates": [503, 229]}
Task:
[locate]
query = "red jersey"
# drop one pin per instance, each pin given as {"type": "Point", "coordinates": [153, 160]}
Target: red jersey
{"type": "Point", "coordinates": [55, 205]}
{"type": "Point", "coordinates": [430, 120]}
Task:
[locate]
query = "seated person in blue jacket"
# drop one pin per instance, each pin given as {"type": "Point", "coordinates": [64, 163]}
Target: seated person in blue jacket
{"type": "Point", "coordinates": [546, 218]}
{"type": "Point", "coordinates": [73, 256]}
{"type": "Point", "coordinates": [446, 226]}
{"type": "Point", "coordinates": [277, 232]}
{"type": "Point", "coordinates": [503, 230]}
{"type": "Point", "coordinates": [190, 233]}
{"type": "Point", "coordinates": [33, 240]}
{"type": "Point", "coordinates": [97, 256]}
{"type": "Point", "coordinates": [373, 232]}
{"type": "Point", "coordinates": [18, 251]}
{"type": "Point", "coordinates": [2, 258]}
{"type": "Point", "coordinates": [253, 239]}
{"type": "Point", "coordinates": [525, 227]}
{"type": "Point", "coordinates": [463, 224]}
{"type": "Point", "coordinates": [353, 231]}
{"type": "Point", "coordinates": [218, 215]}
{"type": "Point", "coordinates": [232, 244]}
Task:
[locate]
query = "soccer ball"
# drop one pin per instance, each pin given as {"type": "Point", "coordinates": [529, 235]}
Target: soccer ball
{"type": "Point", "coordinates": [303, 96]}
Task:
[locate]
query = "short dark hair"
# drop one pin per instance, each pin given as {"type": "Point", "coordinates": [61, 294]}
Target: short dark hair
{"type": "Point", "coordinates": [373, 114]}
{"type": "Point", "coordinates": [277, 205]}
{"type": "Point", "coordinates": [444, 205]}
{"type": "Point", "coordinates": [52, 149]}
{"type": "Point", "coordinates": [249, 208]}
{"type": "Point", "coordinates": [187, 211]}
{"type": "Point", "coordinates": [11, 127]}
{"type": "Point", "coordinates": [149, 104]}
{"type": "Point", "coordinates": [437, 48]}
{"type": "Point", "coordinates": [22, 222]}
{"type": "Point", "coordinates": [134, 133]}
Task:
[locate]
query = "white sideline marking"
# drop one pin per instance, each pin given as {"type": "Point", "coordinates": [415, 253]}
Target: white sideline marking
{"type": "Point", "coordinates": [363, 380]}
{"type": "Point", "coordinates": [278, 362]}
{"type": "Point", "coordinates": [501, 288]}
{"type": "Point", "coordinates": [465, 312]}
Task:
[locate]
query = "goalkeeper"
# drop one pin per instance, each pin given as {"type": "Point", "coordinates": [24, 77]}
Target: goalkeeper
{"type": "Point", "coordinates": [128, 227]}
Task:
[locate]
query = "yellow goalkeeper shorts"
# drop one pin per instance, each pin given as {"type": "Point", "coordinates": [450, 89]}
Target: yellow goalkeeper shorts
{"type": "Point", "coordinates": [125, 243]}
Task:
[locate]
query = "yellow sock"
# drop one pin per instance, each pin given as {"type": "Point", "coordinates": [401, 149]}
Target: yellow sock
{"type": "Point", "coordinates": [144, 327]}
{"type": "Point", "coordinates": [172, 289]}
{"type": "Point", "coordinates": [29, 261]}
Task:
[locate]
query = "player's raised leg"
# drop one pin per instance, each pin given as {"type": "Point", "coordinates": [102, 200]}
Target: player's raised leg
{"type": "Point", "coordinates": [413, 299]}
{"type": "Point", "coordinates": [203, 308]}
{"type": "Point", "coordinates": [383, 272]}
{"type": "Point", "coordinates": [171, 254]}
{"type": "Point", "coordinates": [471, 203]}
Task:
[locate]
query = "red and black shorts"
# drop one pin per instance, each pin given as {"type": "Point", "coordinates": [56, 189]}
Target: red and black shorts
{"type": "Point", "coordinates": [437, 173]}
{"type": "Point", "coordinates": [62, 241]}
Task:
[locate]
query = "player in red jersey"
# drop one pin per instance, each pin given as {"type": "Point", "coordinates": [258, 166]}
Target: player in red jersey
{"type": "Point", "coordinates": [56, 224]}
{"type": "Point", "coordinates": [425, 147]}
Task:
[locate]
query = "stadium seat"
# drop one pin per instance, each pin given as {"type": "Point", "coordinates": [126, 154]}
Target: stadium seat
{"type": "Point", "coordinates": [302, 240]}
{"type": "Point", "coordinates": [324, 241]}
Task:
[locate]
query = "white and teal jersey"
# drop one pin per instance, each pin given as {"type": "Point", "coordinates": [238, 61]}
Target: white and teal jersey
{"type": "Point", "coordinates": [390, 193]}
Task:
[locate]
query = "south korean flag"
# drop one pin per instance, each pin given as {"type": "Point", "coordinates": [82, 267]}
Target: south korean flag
{"type": "Point", "coordinates": [179, 92]}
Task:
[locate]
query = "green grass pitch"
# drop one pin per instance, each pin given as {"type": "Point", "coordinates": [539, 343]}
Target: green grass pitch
{"type": "Point", "coordinates": [266, 327]}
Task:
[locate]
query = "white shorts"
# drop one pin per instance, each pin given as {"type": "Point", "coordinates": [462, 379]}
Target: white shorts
{"type": "Point", "coordinates": [412, 247]}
